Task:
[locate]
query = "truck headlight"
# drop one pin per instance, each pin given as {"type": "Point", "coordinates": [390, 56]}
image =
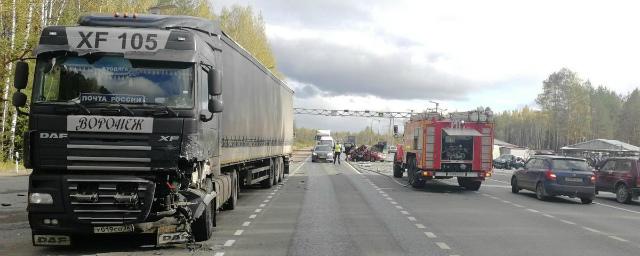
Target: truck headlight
{"type": "Point", "coordinates": [40, 198]}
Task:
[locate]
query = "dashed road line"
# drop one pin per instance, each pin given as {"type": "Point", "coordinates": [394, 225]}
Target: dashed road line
{"type": "Point", "coordinates": [219, 254]}
{"type": "Point", "coordinates": [393, 202]}
{"type": "Point", "coordinates": [253, 216]}
{"type": "Point", "coordinates": [548, 215]}
{"type": "Point", "coordinates": [618, 208]}
{"type": "Point", "coordinates": [263, 205]}
{"type": "Point", "coordinates": [568, 222]}
{"type": "Point", "coordinates": [258, 210]}
{"type": "Point", "coordinates": [266, 201]}
{"type": "Point", "coordinates": [246, 223]}
{"type": "Point", "coordinates": [430, 234]}
{"type": "Point", "coordinates": [618, 238]}
{"type": "Point", "coordinates": [420, 226]}
{"type": "Point", "coordinates": [405, 212]}
{"type": "Point", "coordinates": [517, 205]}
{"type": "Point", "coordinates": [399, 207]}
{"type": "Point", "coordinates": [591, 229]}
{"type": "Point", "coordinates": [229, 243]}
{"type": "Point", "coordinates": [238, 232]}
{"type": "Point", "coordinates": [411, 218]}
{"type": "Point", "coordinates": [532, 210]}
{"type": "Point", "coordinates": [443, 246]}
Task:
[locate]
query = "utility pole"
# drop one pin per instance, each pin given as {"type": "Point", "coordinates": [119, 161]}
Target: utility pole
{"type": "Point", "coordinates": [437, 104]}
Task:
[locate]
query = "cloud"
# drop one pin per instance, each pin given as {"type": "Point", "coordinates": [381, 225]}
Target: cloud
{"type": "Point", "coordinates": [346, 70]}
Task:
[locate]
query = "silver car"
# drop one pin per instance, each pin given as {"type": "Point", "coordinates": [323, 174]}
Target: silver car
{"type": "Point", "coordinates": [322, 153]}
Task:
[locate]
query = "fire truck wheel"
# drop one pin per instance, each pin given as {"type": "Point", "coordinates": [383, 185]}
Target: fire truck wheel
{"type": "Point", "coordinates": [414, 180]}
{"type": "Point", "coordinates": [473, 185]}
{"type": "Point", "coordinates": [397, 171]}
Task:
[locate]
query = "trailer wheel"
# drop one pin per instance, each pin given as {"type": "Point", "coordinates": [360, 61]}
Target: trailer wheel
{"type": "Point", "coordinates": [202, 227]}
{"type": "Point", "coordinates": [281, 176]}
{"type": "Point", "coordinates": [268, 183]}
{"type": "Point", "coordinates": [231, 203]}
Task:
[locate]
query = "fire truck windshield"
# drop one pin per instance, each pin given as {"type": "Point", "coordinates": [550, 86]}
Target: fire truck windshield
{"type": "Point", "coordinates": [113, 79]}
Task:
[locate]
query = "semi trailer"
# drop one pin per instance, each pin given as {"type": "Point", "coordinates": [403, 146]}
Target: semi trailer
{"type": "Point", "coordinates": [147, 124]}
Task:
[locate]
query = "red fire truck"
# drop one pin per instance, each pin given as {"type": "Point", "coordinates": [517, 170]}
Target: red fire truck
{"type": "Point", "coordinates": [442, 147]}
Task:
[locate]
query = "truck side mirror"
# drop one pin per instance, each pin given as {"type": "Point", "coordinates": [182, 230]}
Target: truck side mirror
{"type": "Point", "coordinates": [19, 99]}
{"type": "Point", "coordinates": [21, 76]}
{"type": "Point", "coordinates": [215, 83]}
{"type": "Point", "coordinates": [215, 106]}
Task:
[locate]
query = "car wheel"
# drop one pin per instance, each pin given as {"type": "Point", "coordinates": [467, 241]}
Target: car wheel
{"type": "Point", "coordinates": [622, 194]}
{"type": "Point", "coordinates": [514, 185]}
{"type": "Point", "coordinates": [540, 191]}
{"type": "Point", "coordinates": [585, 200]}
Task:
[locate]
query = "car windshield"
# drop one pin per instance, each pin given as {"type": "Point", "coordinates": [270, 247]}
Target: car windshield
{"type": "Point", "coordinates": [113, 79]}
{"type": "Point", "coordinates": [570, 164]}
{"type": "Point", "coordinates": [322, 148]}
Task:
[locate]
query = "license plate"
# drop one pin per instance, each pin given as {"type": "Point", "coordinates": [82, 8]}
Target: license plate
{"type": "Point", "coordinates": [113, 229]}
{"type": "Point", "coordinates": [573, 179]}
{"type": "Point", "coordinates": [51, 240]}
{"type": "Point", "coordinates": [123, 124]}
{"type": "Point", "coordinates": [457, 174]}
{"type": "Point", "coordinates": [172, 238]}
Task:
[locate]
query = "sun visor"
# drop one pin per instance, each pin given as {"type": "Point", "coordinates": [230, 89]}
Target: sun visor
{"type": "Point", "coordinates": [461, 132]}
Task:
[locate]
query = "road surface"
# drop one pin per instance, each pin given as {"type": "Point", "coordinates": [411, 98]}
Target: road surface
{"type": "Point", "coordinates": [327, 209]}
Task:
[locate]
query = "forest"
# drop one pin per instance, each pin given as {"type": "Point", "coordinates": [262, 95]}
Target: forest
{"type": "Point", "coordinates": [571, 110]}
{"type": "Point", "coordinates": [22, 20]}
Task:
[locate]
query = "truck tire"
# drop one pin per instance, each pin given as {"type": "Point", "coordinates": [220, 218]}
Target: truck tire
{"type": "Point", "coordinates": [235, 189]}
{"type": "Point", "coordinates": [413, 176]}
{"type": "Point", "coordinates": [397, 170]}
{"type": "Point", "coordinates": [202, 227]}
{"type": "Point", "coordinates": [268, 183]}
{"type": "Point", "coordinates": [282, 168]}
{"type": "Point", "coordinates": [473, 185]}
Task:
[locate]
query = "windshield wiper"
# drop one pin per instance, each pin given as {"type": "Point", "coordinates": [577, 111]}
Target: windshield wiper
{"type": "Point", "coordinates": [79, 106]}
{"type": "Point", "coordinates": [129, 111]}
{"type": "Point", "coordinates": [166, 109]}
{"type": "Point", "coordinates": [109, 104]}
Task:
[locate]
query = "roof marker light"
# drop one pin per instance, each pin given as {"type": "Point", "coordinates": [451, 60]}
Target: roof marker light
{"type": "Point", "coordinates": [53, 33]}
{"type": "Point", "coordinates": [182, 38]}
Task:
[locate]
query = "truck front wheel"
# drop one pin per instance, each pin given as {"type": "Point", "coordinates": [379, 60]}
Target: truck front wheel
{"type": "Point", "coordinates": [202, 228]}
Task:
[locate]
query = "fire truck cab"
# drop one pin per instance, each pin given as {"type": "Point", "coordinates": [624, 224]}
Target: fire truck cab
{"type": "Point", "coordinates": [437, 147]}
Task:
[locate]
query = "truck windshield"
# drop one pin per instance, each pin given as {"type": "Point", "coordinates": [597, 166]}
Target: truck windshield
{"type": "Point", "coordinates": [113, 79]}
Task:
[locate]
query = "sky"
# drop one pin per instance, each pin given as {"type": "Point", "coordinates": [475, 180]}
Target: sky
{"type": "Point", "coordinates": [400, 55]}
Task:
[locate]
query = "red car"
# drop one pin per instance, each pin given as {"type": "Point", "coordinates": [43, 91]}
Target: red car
{"type": "Point", "coordinates": [365, 153]}
{"type": "Point", "coordinates": [619, 175]}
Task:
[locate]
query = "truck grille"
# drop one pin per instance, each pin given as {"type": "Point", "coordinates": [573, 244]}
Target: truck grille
{"type": "Point", "coordinates": [108, 152]}
{"type": "Point", "coordinates": [96, 200]}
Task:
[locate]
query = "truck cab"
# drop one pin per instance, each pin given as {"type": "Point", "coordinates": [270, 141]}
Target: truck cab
{"type": "Point", "coordinates": [123, 130]}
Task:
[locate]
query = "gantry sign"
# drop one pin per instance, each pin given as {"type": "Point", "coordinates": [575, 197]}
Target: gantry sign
{"type": "Point", "coordinates": [351, 113]}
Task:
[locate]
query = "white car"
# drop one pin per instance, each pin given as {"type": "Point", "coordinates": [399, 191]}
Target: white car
{"type": "Point", "coordinates": [392, 149]}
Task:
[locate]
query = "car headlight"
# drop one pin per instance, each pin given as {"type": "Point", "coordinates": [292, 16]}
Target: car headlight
{"type": "Point", "coordinates": [329, 154]}
{"type": "Point", "coordinates": [315, 154]}
{"type": "Point", "coordinates": [40, 198]}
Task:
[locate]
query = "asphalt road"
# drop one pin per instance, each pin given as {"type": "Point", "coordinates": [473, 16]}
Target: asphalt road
{"type": "Point", "coordinates": [326, 209]}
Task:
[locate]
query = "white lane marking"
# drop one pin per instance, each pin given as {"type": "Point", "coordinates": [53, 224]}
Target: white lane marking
{"type": "Point", "coordinates": [486, 195]}
{"type": "Point", "coordinates": [266, 201]}
{"type": "Point", "coordinates": [517, 205]}
{"type": "Point", "coordinates": [246, 223]}
{"type": "Point", "coordinates": [568, 222]}
{"type": "Point", "coordinates": [420, 226]}
{"type": "Point", "coordinates": [548, 215]}
{"type": "Point", "coordinates": [219, 254]}
{"type": "Point", "coordinates": [229, 243]}
{"type": "Point", "coordinates": [411, 218]}
{"type": "Point", "coordinates": [506, 202]}
{"type": "Point", "coordinates": [405, 212]}
{"type": "Point", "coordinates": [430, 234]}
{"type": "Point", "coordinates": [258, 210]}
{"type": "Point", "coordinates": [399, 207]}
{"type": "Point", "coordinates": [491, 186]}
{"type": "Point", "coordinates": [618, 208]}
{"type": "Point", "coordinates": [272, 193]}
{"type": "Point", "coordinates": [269, 197]}
{"type": "Point", "coordinates": [443, 246]}
{"type": "Point", "coordinates": [499, 181]}
{"type": "Point", "coordinates": [393, 202]}
{"type": "Point", "coordinates": [532, 210]}
{"type": "Point", "coordinates": [238, 232]}
{"type": "Point", "coordinates": [389, 198]}
{"type": "Point", "coordinates": [591, 229]}
{"type": "Point", "coordinates": [263, 205]}
{"type": "Point", "coordinates": [618, 238]}
{"type": "Point", "coordinates": [253, 216]}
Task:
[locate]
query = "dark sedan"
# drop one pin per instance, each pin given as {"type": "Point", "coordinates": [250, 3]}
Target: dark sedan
{"type": "Point", "coordinates": [556, 176]}
{"type": "Point", "coordinates": [322, 153]}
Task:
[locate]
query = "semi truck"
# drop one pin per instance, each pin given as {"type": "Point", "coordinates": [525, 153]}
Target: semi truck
{"type": "Point", "coordinates": [146, 124]}
{"type": "Point", "coordinates": [436, 146]}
